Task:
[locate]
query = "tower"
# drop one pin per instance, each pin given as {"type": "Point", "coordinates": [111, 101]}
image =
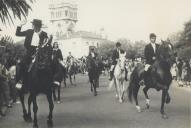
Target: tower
{"type": "Point", "coordinates": [63, 17]}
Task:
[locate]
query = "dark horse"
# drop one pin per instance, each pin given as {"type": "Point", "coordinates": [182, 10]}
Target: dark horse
{"type": "Point", "coordinates": [72, 70]}
{"type": "Point", "coordinates": [157, 77]}
{"type": "Point", "coordinates": [38, 80]}
{"type": "Point", "coordinates": [94, 70]}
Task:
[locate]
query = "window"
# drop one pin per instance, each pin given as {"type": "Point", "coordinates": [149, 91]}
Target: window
{"type": "Point", "coordinates": [66, 12]}
{"type": "Point", "coordinates": [87, 43]}
{"type": "Point", "coordinates": [75, 15]}
{"type": "Point", "coordinates": [52, 14]}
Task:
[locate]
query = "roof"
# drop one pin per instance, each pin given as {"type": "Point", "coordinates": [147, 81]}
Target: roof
{"type": "Point", "coordinates": [82, 34]}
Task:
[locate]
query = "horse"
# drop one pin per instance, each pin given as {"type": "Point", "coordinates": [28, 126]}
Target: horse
{"type": "Point", "coordinates": [59, 76]}
{"type": "Point", "coordinates": [158, 77]}
{"type": "Point", "coordinates": [40, 79]}
{"type": "Point", "coordinates": [72, 70]}
{"type": "Point", "coordinates": [94, 71]}
{"type": "Point", "coordinates": [119, 76]}
{"type": "Point", "coordinates": [36, 79]}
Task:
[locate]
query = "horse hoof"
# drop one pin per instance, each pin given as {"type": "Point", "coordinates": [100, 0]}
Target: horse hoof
{"type": "Point", "coordinates": [138, 108]}
{"type": "Point", "coordinates": [95, 94]}
{"type": "Point", "coordinates": [35, 126]}
{"type": "Point", "coordinates": [148, 106]}
{"type": "Point", "coordinates": [29, 118]}
{"type": "Point", "coordinates": [164, 116]}
{"type": "Point", "coordinates": [25, 117]}
{"type": "Point", "coordinates": [116, 96]}
{"type": "Point", "coordinates": [167, 100]}
{"type": "Point", "coordinates": [50, 123]}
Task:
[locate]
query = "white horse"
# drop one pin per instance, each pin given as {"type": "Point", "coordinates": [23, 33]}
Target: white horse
{"type": "Point", "coordinates": [119, 77]}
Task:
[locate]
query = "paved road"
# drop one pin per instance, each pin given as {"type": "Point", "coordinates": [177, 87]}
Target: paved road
{"type": "Point", "coordinates": [80, 109]}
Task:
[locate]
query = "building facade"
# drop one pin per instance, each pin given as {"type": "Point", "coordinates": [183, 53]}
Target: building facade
{"type": "Point", "coordinates": [63, 21]}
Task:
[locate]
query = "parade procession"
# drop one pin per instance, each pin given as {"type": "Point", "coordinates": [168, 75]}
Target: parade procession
{"type": "Point", "coordinates": [95, 64]}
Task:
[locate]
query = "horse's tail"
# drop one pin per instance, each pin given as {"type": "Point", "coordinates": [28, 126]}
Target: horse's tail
{"type": "Point", "coordinates": [133, 84]}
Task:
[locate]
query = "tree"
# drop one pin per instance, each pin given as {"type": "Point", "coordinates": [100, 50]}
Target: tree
{"type": "Point", "coordinates": [12, 9]}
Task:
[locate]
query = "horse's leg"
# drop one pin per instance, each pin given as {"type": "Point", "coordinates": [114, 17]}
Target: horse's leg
{"type": "Point", "coordinates": [119, 90]}
{"type": "Point", "coordinates": [59, 94]}
{"type": "Point", "coordinates": [65, 81]}
{"type": "Point", "coordinates": [91, 87]}
{"type": "Point", "coordinates": [164, 94]}
{"type": "Point", "coordinates": [29, 108]}
{"type": "Point", "coordinates": [51, 107]}
{"type": "Point", "coordinates": [35, 109]}
{"type": "Point", "coordinates": [94, 86]}
{"type": "Point", "coordinates": [135, 94]}
{"type": "Point", "coordinates": [22, 99]}
{"type": "Point", "coordinates": [145, 90]}
{"type": "Point", "coordinates": [123, 90]}
{"type": "Point", "coordinates": [54, 93]}
{"type": "Point", "coordinates": [70, 79]}
{"type": "Point", "coordinates": [167, 98]}
{"type": "Point", "coordinates": [116, 88]}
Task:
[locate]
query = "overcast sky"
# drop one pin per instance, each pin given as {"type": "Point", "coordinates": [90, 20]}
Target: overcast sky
{"type": "Point", "coordinates": [132, 19]}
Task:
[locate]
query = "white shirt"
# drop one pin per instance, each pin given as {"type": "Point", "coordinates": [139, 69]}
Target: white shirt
{"type": "Point", "coordinates": [35, 39]}
{"type": "Point", "coordinates": [154, 47]}
{"type": "Point", "coordinates": [12, 71]}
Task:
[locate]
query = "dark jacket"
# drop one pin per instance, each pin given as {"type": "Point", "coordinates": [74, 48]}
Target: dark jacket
{"type": "Point", "coordinates": [28, 38]}
{"type": "Point", "coordinates": [57, 55]}
{"type": "Point", "coordinates": [90, 55]}
{"type": "Point", "coordinates": [115, 56]}
{"type": "Point", "coordinates": [149, 53]}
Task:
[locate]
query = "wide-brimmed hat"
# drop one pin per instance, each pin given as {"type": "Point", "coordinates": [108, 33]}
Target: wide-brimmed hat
{"type": "Point", "coordinates": [37, 22]}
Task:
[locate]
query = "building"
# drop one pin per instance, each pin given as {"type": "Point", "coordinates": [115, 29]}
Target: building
{"type": "Point", "coordinates": [63, 21]}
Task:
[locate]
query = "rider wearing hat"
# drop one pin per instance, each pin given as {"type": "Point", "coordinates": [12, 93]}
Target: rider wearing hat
{"type": "Point", "coordinates": [33, 38]}
{"type": "Point", "coordinates": [92, 53]}
{"type": "Point", "coordinates": [115, 57]}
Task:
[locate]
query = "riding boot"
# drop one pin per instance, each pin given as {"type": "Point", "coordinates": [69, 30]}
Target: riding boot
{"type": "Point", "coordinates": [111, 75]}
{"type": "Point", "coordinates": [126, 74]}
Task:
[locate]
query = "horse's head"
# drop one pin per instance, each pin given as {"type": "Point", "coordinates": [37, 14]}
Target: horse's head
{"type": "Point", "coordinates": [166, 52]}
{"type": "Point", "coordinates": [122, 61]}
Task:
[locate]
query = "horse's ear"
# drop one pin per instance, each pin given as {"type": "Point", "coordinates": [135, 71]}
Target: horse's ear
{"type": "Point", "coordinates": [125, 54]}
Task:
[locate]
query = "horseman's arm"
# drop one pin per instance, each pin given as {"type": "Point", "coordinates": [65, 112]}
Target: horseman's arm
{"type": "Point", "coordinates": [147, 54]}
{"type": "Point", "coordinates": [20, 33]}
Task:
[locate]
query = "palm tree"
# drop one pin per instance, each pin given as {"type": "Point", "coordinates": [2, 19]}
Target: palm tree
{"type": "Point", "coordinates": [11, 9]}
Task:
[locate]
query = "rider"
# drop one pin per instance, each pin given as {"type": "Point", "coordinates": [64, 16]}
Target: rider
{"type": "Point", "coordinates": [115, 57]}
{"type": "Point", "coordinates": [92, 53]}
{"type": "Point", "coordinates": [150, 51]}
{"type": "Point", "coordinates": [57, 61]}
{"type": "Point", "coordinates": [69, 57]}
{"type": "Point", "coordinates": [33, 38]}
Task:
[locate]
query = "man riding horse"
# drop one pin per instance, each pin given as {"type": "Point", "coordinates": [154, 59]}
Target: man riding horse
{"type": "Point", "coordinates": [115, 57]}
{"type": "Point", "coordinates": [33, 38]}
{"type": "Point", "coordinates": [150, 51]}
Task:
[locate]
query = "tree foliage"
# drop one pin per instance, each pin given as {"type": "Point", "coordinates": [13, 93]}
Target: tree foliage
{"type": "Point", "coordinates": [133, 50]}
{"type": "Point", "coordinates": [12, 9]}
{"type": "Point", "coordinates": [182, 41]}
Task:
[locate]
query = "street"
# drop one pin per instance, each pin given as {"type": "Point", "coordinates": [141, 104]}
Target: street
{"type": "Point", "coordinates": [80, 109]}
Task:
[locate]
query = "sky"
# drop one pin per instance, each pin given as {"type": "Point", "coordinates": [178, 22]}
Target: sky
{"type": "Point", "coordinates": [131, 19]}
